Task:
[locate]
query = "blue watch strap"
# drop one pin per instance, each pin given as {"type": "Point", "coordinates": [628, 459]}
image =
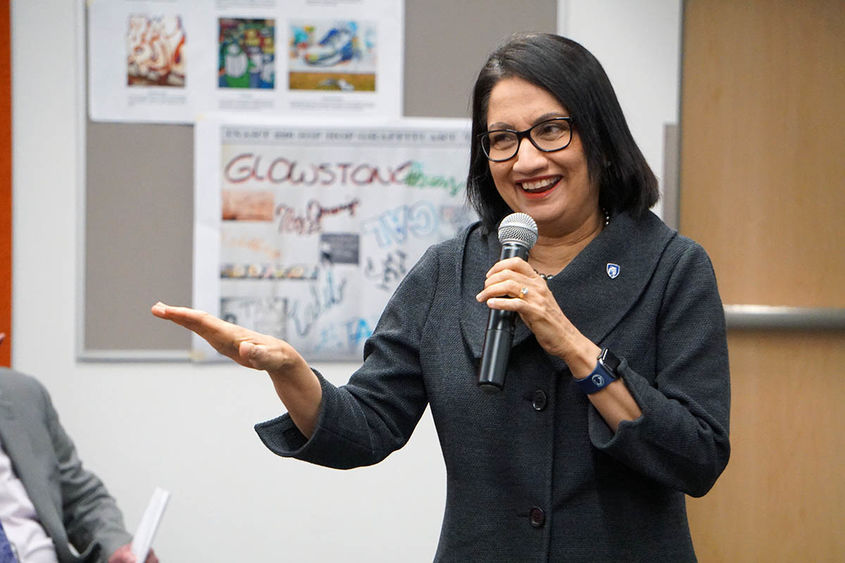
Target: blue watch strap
{"type": "Point", "coordinates": [601, 376]}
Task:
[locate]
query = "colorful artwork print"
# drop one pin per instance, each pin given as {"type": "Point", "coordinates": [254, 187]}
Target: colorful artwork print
{"type": "Point", "coordinates": [247, 53]}
{"type": "Point", "coordinates": [333, 55]}
{"type": "Point", "coordinates": [155, 51]}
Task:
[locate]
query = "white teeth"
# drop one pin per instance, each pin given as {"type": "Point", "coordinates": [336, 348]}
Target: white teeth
{"type": "Point", "coordinates": [539, 184]}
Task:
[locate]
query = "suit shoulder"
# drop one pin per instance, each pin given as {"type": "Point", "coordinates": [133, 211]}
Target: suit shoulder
{"type": "Point", "coordinates": [677, 245]}
{"type": "Point", "coordinates": [685, 249]}
{"type": "Point", "coordinates": [16, 383]}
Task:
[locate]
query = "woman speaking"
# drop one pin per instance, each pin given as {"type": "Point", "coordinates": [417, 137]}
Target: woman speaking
{"type": "Point", "coordinates": [616, 403]}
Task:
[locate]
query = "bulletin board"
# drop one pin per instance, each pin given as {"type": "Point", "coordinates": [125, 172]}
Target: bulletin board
{"type": "Point", "coordinates": [139, 185]}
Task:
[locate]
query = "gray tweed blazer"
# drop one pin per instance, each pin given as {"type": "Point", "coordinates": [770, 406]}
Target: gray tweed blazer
{"type": "Point", "coordinates": [533, 472]}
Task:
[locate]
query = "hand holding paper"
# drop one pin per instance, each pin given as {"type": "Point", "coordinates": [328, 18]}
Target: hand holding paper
{"type": "Point", "coordinates": [147, 529]}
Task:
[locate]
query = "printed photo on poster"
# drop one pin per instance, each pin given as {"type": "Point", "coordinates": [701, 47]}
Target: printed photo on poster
{"type": "Point", "coordinates": [333, 55]}
{"type": "Point", "coordinates": [266, 315]}
{"type": "Point", "coordinates": [247, 53]}
{"type": "Point", "coordinates": [155, 50]}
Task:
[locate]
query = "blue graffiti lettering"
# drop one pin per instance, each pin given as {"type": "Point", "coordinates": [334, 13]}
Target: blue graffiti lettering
{"type": "Point", "coordinates": [324, 296]}
{"type": "Point", "coordinates": [393, 226]}
{"type": "Point", "coordinates": [358, 330]}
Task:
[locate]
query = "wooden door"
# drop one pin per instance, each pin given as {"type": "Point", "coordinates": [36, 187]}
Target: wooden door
{"type": "Point", "coordinates": [763, 190]}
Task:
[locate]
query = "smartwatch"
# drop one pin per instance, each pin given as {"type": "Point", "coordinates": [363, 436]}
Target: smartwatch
{"type": "Point", "coordinates": [602, 375]}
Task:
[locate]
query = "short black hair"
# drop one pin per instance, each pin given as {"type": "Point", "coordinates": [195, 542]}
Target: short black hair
{"type": "Point", "coordinates": [571, 74]}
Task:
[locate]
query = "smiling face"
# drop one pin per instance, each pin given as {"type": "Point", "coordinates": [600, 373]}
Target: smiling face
{"type": "Point", "coordinates": [553, 187]}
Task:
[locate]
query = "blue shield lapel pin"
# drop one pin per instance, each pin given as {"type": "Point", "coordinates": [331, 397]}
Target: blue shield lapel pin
{"type": "Point", "coordinates": [612, 270]}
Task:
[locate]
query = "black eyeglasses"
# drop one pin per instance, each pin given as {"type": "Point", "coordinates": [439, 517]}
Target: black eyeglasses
{"type": "Point", "coordinates": [548, 136]}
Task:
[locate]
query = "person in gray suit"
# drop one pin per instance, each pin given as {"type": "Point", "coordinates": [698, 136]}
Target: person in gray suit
{"type": "Point", "coordinates": [51, 507]}
{"type": "Point", "coordinates": [617, 398]}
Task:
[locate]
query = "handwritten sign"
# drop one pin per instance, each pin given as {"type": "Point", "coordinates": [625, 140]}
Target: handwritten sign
{"type": "Point", "coordinates": [304, 232]}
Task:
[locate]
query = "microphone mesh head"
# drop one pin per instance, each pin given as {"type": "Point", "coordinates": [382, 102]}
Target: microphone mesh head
{"type": "Point", "coordinates": [519, 228]}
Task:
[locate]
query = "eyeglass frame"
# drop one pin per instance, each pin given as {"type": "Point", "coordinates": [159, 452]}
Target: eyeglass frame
{"type": "Point", "coordinates": [520, 135]}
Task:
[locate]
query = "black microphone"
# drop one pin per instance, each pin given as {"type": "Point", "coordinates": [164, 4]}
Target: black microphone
{"type": "Point", "coordinates": [517, 233]}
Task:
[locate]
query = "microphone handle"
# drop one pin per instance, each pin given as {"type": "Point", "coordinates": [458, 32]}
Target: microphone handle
{"type": "Point", "coordinates": [498, 337]}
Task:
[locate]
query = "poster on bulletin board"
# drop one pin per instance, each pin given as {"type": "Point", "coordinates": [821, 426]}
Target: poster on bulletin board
{"type": "Point", "coordinates": [170, 61]}
{"type": "Point", "coordinates": [304, 231]}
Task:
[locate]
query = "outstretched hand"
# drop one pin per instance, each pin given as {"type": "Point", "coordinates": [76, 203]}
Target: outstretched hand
{"type": "Point", "coordinates": [296, 385]}
{"type": "Point", "coordinates": [246, 347]}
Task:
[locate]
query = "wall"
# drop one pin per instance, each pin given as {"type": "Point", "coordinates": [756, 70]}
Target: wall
{"type": "Point", "coordinates": [186, 428]}
{"type": "Point", "coordinates": [638, 44]}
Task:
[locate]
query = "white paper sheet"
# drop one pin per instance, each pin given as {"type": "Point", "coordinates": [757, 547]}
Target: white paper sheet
{"type": "Point", "coordinates": [304, 231]}
{"type": "Point", "coordinates": [171, 61]}
{"type": "Point", "coordinates": [143, 539]}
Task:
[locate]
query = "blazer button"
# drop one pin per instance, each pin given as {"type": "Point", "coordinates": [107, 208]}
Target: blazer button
{"type": "Point", "coordinates": [537, 517]}
{"type": "Point", "coordinates": [539, 401]}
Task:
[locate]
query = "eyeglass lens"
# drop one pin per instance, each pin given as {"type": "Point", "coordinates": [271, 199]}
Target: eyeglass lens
{"type": "Point", "coordinates": [548, 136]}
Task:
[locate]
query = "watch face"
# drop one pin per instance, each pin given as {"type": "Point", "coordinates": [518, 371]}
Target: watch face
{"type": "Point", "coordinates": [608, 360]}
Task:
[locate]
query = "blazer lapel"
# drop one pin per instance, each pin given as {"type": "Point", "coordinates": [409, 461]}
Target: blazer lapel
{"type": "Point", "coordinates": [598, 288]}
{"type": "Point", "coordinates": [595, 291]}
{"type": "Point", "coordinates": [472, 269]}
